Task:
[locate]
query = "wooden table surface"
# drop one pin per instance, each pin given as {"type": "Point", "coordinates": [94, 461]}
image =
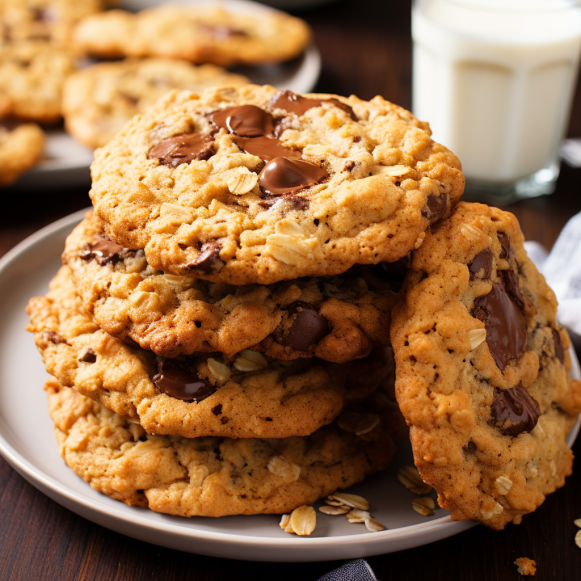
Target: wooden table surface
{"type": "Point", "coordinates": [366, 50]}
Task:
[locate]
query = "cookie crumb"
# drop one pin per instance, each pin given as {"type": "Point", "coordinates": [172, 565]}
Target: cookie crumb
{"type": "Point", "coordinates": [526, 566]}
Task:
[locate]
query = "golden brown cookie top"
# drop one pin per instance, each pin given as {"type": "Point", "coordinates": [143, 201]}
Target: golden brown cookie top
{"type": "Point", "coordinates": [253, 185]}
{"type": "Point", "coordinates": [482, 369]}
{"type": "Point", "coordinates": [194, 33]}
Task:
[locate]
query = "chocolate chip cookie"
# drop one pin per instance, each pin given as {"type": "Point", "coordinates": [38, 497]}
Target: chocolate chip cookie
{"type": "Point", "coordinates": [32, 74]}
{"type": "Point", "coordinates": [194, 33]}
{"type": "Point", "coordinates": [254, 185]}
{"type": "Point", "coordinates": [99, 100]}
{"type": "Point", "coordinates": [247, 396]}
{"type": "Point", "coordinates": [335, 318]}
{"type": "Point", "coordinates": [21, 148]}
{"type": "Point", "coordinates": [45, 20]}
{"type": "Point", "coordinates": [482, 369]}
{"type": "Point", "coordinates": [213, 476]}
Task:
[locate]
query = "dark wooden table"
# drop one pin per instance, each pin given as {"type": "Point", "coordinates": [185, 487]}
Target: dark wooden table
{"type": "Point", "coordinates": [366, 50]}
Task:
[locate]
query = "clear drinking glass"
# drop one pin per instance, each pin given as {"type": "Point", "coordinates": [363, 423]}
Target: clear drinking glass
{"type": "Point", "coordinates": [495, 80]}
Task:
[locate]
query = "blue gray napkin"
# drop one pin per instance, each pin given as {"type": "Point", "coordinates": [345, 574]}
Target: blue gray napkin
{"type": "Point", "coordinates": [358, 570]}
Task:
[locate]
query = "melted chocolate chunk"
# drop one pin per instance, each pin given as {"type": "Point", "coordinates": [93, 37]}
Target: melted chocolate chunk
{"type": "Point", "coordinates": [294, 103]}
{"type": "Point", "coordinates": [435, 208]}
{"type": "Point", "coordinates": [246, 120]}
{"type": "Point", "coordinates": [177, 379]}
{"type": "Point", "coordinates": [482, 264]}
{"type": "Point", "coordinates": [506, 326]}
{"type": "Point", "coordinates": [183, 149]}
{"type": "Point", "coordinates": [89, 356]}
{"type": "Point", "coordinates": [514, 411]}
{"type": "Point", "coordinates": [208, 260]}
{"type": "Point", "coordinates": [307, 328]}
{"type": "Point", "coordinates": [103, 251]}
{"type": "Point", "coordinates": [510, 280]}
{"type": "Point", "coordinates": [266, 148]}
{"type": "Point", "coordinates": [287, 176]}
{"type": "Point", "coordinates": [559, 351]}
{"type": "Point", "coordinates": [506, 251]}
{"type": "Point", "coordinates": [53, 337]}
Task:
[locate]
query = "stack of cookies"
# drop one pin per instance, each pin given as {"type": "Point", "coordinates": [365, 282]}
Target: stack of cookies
{"type": "Point", "coordinates": [224, 316]}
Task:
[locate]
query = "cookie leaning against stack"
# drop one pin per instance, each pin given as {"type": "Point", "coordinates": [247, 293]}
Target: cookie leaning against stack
{"type": "Point", "coordinates": [214, 356]}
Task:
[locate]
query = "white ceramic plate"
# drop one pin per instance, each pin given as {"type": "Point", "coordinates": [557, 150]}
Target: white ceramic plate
{"type": "Point", "coordinates": [67, 162]}
{"type": "Point", "coordinates": [27, 443]}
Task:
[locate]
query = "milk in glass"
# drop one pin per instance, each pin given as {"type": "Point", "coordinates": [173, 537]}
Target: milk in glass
{"type": "Point", "coordinates": [495, 80]}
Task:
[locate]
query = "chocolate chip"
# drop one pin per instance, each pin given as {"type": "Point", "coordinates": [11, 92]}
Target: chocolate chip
{"type": "Point", "coordinates": [307, 328]}
{"type": "Point", "coordinates": [53, 337]}
{"type": "Point", "coordinates": [510, 280]}
{"type": "Point", "coordinates": [481, 266]}
{"type": "Point", "coordinates": [103, 250]}
{"type": "Point", "coordinates": [349, 166]}
{"type": "Point", "coordinates": [469, 447]}
{"type": "Point", "coordinates": [266, 148]}
{"type": "Point", "coordinates": [246, 120]}
{"type": "Point", "coordinates": [506, 327]}
{"type": "Point", "coordinates": [294, 103]}
{"type": "Point", "coordinates": [217, 410]}
{"type": "Point", "coordinates": [514, 410]}
{"type": "Point", "coordinates": [89, 356]}
{"type": "Point", "coordinates": [285, 176]}
{"type": "Point", "coordinates": [46, 15]}
{"type": "Point", "coordinates": [208, 260]}
{"type": "Point", "coordinates": [506, 250]}
{"type": "Point", "coordinates": [183, 149]}
{"type": "Point", "coordinates": [559, 351]}
{"type": "Point", "coordinates": [436, 207]}
{"type": "Point", "coordinates": [177, 379]}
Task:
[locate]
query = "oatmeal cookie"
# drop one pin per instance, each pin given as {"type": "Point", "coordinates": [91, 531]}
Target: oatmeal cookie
{"type": "Point", "coordinates": [247, 396]}
{"type": "Point", "coordinates": [334, 318]}
{"type": "Point", "coordinates": [254, 185]}
{"type": "Point", "coordinates": [99, 100]}
{"type": "Point", "coordinates": [31, 79]}
{"type": "Point", "coordinates": [21, 148]}
{"type": "Point", "coordinates": [482, 369]}
{"type": "Point", "coordinates": [194, 33]}
{"type": "Point", "coordinates": [212, 476]}
{"type": "Point", "coordinates": [46, 20]}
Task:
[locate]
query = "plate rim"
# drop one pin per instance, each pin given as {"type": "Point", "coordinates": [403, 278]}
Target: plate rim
{"type": "Point", "coordinates": [40, 480]}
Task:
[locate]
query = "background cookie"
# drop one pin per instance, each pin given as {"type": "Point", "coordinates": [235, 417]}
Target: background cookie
{"type": "Point", "coordinates": [196, 34]}
{"type": "Point", "coordinates": [213, 476]}
{"type": "Point", "coordinates": [32, 74]}
{"type": "Point", "coordinates": [482, 369]}
{"type": "Point", "coordinates": [99, 100]}
{"type": "Point", "coordinates": [335, 318]}
{"type": "Point", "coordinates": [21, 147]}
{"type": "Point", "coordinates": [250, 185]}
{"type": "Point", "coordinates": [249, 396]}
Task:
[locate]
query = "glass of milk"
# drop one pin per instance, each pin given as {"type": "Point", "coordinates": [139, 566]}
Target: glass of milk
{"type": "Point", "coordinates": [495, 80]}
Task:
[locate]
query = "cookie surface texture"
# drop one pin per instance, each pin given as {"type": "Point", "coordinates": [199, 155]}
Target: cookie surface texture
{"type": "Point", "coordinates": [21, 148]}
{"type": "Point", "coordinates": [201, 395]}
{"type": "Point", "coordinates": [482, 369]}
{"type": "Point", "coordinates": [212, 476]}
{"type": "Point", "coordinates": [99, 100]}
{"type": "Point", "coordinates": [252, 185]}
{"type": "Point", "coordinates": [196, 34]}
{"type": "Point", "coordinates": [334, 318]}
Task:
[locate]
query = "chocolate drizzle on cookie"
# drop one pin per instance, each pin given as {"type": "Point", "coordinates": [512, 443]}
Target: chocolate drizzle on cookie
{"type": "Point", "coordinates": [307, 328]}
{"type": "Point", "coordinates": [103, 250]}
{"type": "Point", "coordinates": [294, 103]}
{"type": "Point", "coordinates": [181, 381]}
{"type": "Point", "coordinates": [183, 149]}
{"type": "Point", "coordinates": [506, 326]}
{"type": "Point", "coordinates": [514, 410]}
{"type": "Point", "coordinates": [283, 176]}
